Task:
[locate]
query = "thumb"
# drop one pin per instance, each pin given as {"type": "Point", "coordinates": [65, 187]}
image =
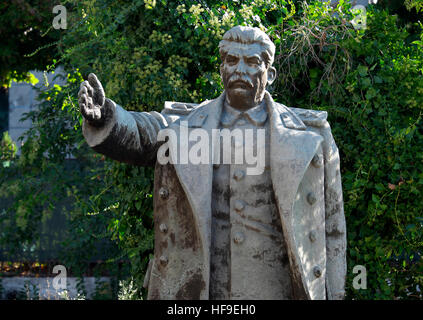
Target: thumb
{"type": "Point", "coordinates": [98, 89]}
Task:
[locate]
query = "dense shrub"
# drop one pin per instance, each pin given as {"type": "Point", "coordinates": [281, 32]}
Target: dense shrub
{"type": "Point", "coordinates": [146, 52]}
{"type": "Point", "coordinates": [26, 25]}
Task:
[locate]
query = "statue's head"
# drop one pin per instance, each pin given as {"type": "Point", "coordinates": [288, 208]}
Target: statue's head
{"type": "Point", "coordinates": [247, 55]}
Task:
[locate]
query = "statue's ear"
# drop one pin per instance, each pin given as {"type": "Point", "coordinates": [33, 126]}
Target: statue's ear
{"type": "Point", "coordinates": [271, 75]}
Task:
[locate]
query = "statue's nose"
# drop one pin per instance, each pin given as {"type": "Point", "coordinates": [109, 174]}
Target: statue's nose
{"type": "Point", "coordinates": [241, 67]}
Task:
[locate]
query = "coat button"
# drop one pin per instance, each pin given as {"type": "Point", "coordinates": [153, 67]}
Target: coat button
{"type": "Point", "coordinates": [164, 193]}
{"type": "Point", "coordinates": [317, 271]}
{"type": "Point", "coordinates": [239, 237]}
{"type": "Point", "coordinates": [163, 260]}
{"type": "Point", "coordinates": [163, 228]}
{"type": "Point", "coordinates": [239, 174]}
{"type": "Point", "coordinates": [317, 160]}
{"type": "Point", "coordinates": [312, 236]}
{"type": "Point", "coordinates": [239, 205]}
{"type": "Point", "coordinates": [311, 198]}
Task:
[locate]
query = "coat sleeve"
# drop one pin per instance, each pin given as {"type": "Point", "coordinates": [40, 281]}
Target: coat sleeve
{"type": "Point", "coordinates": [336, 266]}
{"type": "Point", "coordinates": [129, 137]}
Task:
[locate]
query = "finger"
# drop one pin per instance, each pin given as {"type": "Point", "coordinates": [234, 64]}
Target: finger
{"type": "Point", "coordinates": [93, 81]}
{"type": "Point", "coordinates": [83, 84]}
{"type": "Point", "coordinates": [85, 111]}
{"type": "Point", "coordinates": [90, 103]}
{"type": "Point", "coordinates": [82, 91]}
{"type": "Point", "coordinates": [89, 89]}
{"type": "Point", "coordinates": [97, 89]}
{"type": "Point", "coordinates": [82, 100]}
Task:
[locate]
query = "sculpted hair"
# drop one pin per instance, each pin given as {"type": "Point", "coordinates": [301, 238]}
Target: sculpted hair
{"type": "Point", "coordinates": [248, 35]}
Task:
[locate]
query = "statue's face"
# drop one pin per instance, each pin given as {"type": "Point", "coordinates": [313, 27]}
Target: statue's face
{"type": "Point", "coordinates": [245, 75]}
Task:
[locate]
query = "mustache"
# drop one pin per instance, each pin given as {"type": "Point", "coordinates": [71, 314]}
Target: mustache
{"type": "Point", "coordinates": [240, 78]}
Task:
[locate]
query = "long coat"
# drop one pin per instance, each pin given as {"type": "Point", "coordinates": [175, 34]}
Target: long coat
{"type": "Point", "coordinates": [304, 164]}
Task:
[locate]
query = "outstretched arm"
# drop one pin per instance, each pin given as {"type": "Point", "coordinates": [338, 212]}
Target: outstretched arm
{"type": "Point", "coordinates": [129, 137]}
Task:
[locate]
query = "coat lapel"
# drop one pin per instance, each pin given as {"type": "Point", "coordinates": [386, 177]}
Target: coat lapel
{"type": "Point", "coordinates": [197, 179]}
{"type": "Point", "coordinates": [291, 150]}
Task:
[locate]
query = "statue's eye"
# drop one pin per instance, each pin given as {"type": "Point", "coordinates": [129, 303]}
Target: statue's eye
{"type": "Point", "coordinates": [254, 61]}
{"type": "Point", "coordinates": [231, 60]}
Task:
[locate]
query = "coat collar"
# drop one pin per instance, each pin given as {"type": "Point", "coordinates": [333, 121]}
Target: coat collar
{"type": "Point", "coordinates": [257, 115]}
{"type": "Point", "coordinates": [214, 109]}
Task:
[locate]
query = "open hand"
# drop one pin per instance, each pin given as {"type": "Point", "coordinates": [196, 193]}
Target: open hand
{"type": "Point", "coordinates": [92, 101]}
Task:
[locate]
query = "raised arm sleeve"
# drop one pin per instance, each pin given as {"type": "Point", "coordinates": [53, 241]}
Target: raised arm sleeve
{"type": "Point", "coordinates": [129, 137]}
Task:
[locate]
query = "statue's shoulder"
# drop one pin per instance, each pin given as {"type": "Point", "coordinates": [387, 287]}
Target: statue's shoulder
{"type": "Point", "coordinates": [182, 108]}
{"type": "Point", "coordinates": [174, 111]}
{"type": "Point", "coordinates": [297, 118]}
{"type": "Point", "coordinates": [314, 118]}
{"type": "Point", "coordinates": [179, 108]}
{"type": "Point", "coordinates": [185, 111]}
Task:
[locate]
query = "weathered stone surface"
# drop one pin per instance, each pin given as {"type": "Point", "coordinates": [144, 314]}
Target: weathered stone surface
{"type": "Point", "coordinates": [220, 231]}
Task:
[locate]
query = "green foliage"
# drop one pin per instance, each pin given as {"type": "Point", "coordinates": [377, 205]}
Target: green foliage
{"type": "Point", "coordinates": [7, 149]}
{"type": "Point", "coordinates": [370, 82]}
{"type": "Point", "coordinates": [26, 26]}
{"type": "Point", "coordinates": [416, 4]}
{"type": "Point", "coordinates": [145, 52]}
{"type": "Point", "coordinates": [43, 182]}
{"type": "Point", "coordinates": [127, 290]}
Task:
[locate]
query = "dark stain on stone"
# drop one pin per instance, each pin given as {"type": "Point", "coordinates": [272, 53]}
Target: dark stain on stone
{"type": "Point", "coordinates": [163, 244]}
{"type": "Point", "coordinates": [298, 291]}
{"type": "Point", "coordinates": [261, 202]}
{"type": "Point", "coordinates": [155, 294]}
{"type": "Point", "coordinates": [220, 215]}
{"type": "Point", "coordinates": [192, 288]}
{"type": "Point", "coordinates": [332, 202]}
{"type": "Point", "coordinates": [263, 188]}
{"type": "Point", "coordinates": [184, 235]}
{"type": "Point", "coordinates": [334, 233]}
{"type": "Point", "coordinates": [224, 193]}
{"type": "Point", "coordinates": [252, 228]}
{"type": "Point", "coordinates": [187, 226]}
{"type": "Point", "coordinates": [337, 252]}
{"type": "Point", "coordinates": [285, 260]}
{"type": "Point", "coordinates": [258, 256]}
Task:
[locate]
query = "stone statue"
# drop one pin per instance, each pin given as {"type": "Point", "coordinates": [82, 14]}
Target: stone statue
{"type": "Point", "coordinates": [222, 231]}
